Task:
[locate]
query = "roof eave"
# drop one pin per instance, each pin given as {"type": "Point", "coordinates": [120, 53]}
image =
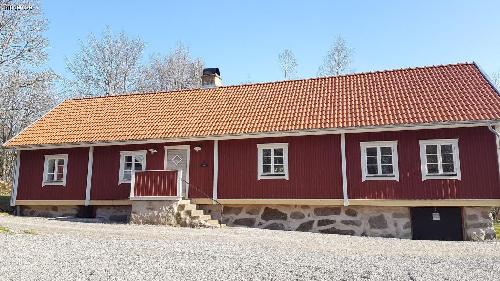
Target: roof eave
{"type": "Point", "coordinates": [305, 132]}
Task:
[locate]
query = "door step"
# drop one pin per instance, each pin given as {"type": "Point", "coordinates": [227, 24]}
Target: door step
{"type": "Point", "coordinates": [189, 215]}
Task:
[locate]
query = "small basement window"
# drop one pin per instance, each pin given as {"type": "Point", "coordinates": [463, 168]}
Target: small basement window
{"type": "Point", "coordinates": [379, 160]}
{"type": "Point", "coordinates": [55, 169]}
{"type": "Point", "coordinates": [272, 161]}
{"type": "Point", "coordinates": [440, 159]}
{"type": "Point", "coordinates": [131, 161]}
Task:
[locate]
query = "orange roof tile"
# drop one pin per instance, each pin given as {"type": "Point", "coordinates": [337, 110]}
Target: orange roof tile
{"type": "Point", "coordinates": [448, 93]}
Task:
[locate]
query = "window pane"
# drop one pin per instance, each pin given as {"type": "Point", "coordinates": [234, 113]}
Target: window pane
{"type": "Point", "coordinates": [59, 176]}
{"type": "Point", "coordinates": [279, 169]}
{"type": "Point", "coordinates": [128, 166]}
{"type": "Point", "coordinates": [266, 169]}
{"type": "Point", "coordinates": [371, 160]}
{"type": "Point", "coordinates": [278, 160]}
{"type": "Point", "coordinates": [128, 159]}
{"type": "Point", "coordinates": [431, 149]}
{"type": "Point", "coordinates": [432, 169]}
{"type": "Point", "coordinates": [371, 151]}
{"type": "Point", "coordinates": [446, 148]}
{"type": "Point", "coordinates": [266, 160]}
{"type": "Point", "coordinates": [447, 158]}
{"type": "Point", "coordinates": [387, 170]}
{"type": "Point", "coordinates": [386, 159]}
{"type": "Point", "coordinates": [51, 166]}
{"type": "Point", "coordinates": [386, 151]}
{"type": "Point", "coordinates": [278, 152]}
{"type": "Point", "coordinates": [139, 158]}
{"type": "Point", "coordinates": [432, 158]}
{"type": "Point", "coordinates": [448, 168]}
{"type": "Point", "coordinates": [138, 166]}
{"type": "Point", "coordinates": [50, 177]}
{"type": "Point", "coordinates": [372, 169]}
{"type": "Point", "coordinates": [127, 175]}
{"type": "Point", "coordinates": [266, 152]}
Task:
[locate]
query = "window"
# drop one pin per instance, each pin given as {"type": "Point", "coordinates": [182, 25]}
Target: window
{"type": "Point", "coordinates": [131, 161]}
{"type": "Point", "coordinates": [439, 159]}
{"type": "Point", "coordinates": [273, 161]}
{"type": "Point", "coordinates": [379, 160]}
{"type": "Point", "coordinates": [55, 168]}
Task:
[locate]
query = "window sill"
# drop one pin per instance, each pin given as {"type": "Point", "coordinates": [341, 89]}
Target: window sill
{"type": "Point", "coordinates": [441, 177]}
{"type": "Point", "coordinates": [381, 178]}
{"type": "Point", "coordinates": [123, 182]}
{"type": "Point", "coordinates": [273, 177]}
{"type": "Point", "coordinates": [54, 184]}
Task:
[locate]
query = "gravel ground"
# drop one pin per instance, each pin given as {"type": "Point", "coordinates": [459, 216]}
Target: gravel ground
{"type": "Point", "coordinates": [45, 249]}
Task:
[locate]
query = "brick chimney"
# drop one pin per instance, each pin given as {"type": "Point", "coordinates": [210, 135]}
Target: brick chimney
{"type": "Point", "coordinates": [211, 78]}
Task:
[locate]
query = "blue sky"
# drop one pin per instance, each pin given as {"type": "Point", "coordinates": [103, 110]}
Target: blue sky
{"type": "Point", "coordinates": [244, 38]}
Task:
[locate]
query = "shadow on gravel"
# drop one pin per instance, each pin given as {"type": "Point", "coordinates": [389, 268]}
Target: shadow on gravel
{"type": "Point", "coordinates": [84, 220]}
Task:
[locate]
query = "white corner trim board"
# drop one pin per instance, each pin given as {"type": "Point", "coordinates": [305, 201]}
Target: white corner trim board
{"type": "Point", "coordinates": [216, 169]}
{"type": "Point", "coordinates": [344, 169]}
{"type": "Point", "coordinates": [16, 179]}
{"type": "Point", "coordinates": [89, 175]}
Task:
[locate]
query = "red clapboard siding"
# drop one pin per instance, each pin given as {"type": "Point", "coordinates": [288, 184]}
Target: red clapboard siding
{"type": "Point", "coordinates": [156, 183]}
{"type": "Point", "coordinates": [31, 176]}
{"type": "Point", "coordinates": [107, 164]}
{"type": "Point", "coordinates": [106, 167]}
{"type": "Point", "coordinates": [314, 169]}
{"type": "Point", "coordinates": [201, 169]}
{"type": "Point", "coordinates": [478, 161]}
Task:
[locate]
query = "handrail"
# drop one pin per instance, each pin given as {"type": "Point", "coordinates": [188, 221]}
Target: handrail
{"type": "Point", "coordinates": [203, 193]}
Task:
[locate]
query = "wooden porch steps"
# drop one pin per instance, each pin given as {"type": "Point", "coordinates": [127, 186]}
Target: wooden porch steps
{"type": "Point", "coordinates": [191, 216]}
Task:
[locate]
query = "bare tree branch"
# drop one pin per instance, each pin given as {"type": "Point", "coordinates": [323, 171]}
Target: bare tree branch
{"type": "Point", "coordinates": [108, 65]}
{"type": "Point", "coordinates": [288, 64]}
{"type": "Point", "coordinates": [338, 59]}
{"type": "Point", "coordinates": [176, 71]}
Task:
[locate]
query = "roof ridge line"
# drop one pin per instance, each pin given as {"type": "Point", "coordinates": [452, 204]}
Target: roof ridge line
{"type": "Point", "coordinates": [280, 81]}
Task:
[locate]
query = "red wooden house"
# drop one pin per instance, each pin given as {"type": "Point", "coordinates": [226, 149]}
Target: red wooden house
{"type": "Point", "coordinates": [401, 153]}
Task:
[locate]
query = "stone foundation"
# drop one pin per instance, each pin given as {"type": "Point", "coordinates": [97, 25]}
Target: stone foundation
{"type": "Point", "coordinates": [478, 223]}
{"type": "Point", "coordinates": [49, 211]}
{"type": "Point", "coordinates": [356, 220]}
{"type": "Point", "coordinates": [154, 212]}
{"type": "Point", "coordinates": [113, 213]}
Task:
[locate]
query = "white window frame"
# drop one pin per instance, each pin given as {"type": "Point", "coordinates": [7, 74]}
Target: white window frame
{"type": "Point", "coordinates": [456, 159]}
{"type": "Point", "coordinates": [260, 169]}
{"type": "Point", "coordinates": [142, 153]}
{"type": "Point", "coordinates": [395, 163]}
{"type": "Point", "coordinates": [46, 169]}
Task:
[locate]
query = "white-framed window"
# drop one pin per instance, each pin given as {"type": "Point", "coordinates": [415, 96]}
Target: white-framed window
{"type": "Point", "coordinates": [439, 159]}
{"type": "Point", "coordinates": [55, 168]}
{"type": "Point", "coordinates": [131, 161]}
{"type": "Point", "coordinates": [272, 161]}
{"type": "Point", "coordinates": [379, 160]}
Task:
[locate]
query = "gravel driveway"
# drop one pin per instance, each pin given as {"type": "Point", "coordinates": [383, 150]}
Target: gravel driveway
{"type": "Point", "coordinates": [45, 249]}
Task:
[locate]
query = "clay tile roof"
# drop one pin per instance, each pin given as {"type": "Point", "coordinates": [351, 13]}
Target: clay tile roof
{"type": "Point", "coordinates": [447, 93]}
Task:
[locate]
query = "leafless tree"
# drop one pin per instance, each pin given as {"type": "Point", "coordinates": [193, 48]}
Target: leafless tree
{"type": "Point", "coordinates": [338, 59]}
{"type": "Point", "coordinates": [175, 71]}
{"type": "Point", "coordinates": [106, 65]}
{"type": "Point", "coordinates": [25, 87]}
{"type": "Point", "coordinates": [288, 64]}
{"type": "Point", "coordinates": [495, 77]}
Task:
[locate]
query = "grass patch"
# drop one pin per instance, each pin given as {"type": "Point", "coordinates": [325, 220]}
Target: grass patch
{"type": "Point", "coordinates": [30, 231]}
{"type": "Point", "coordinates": [4, 229]}
{"type": "Point", "coordinates": [496, 225]}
